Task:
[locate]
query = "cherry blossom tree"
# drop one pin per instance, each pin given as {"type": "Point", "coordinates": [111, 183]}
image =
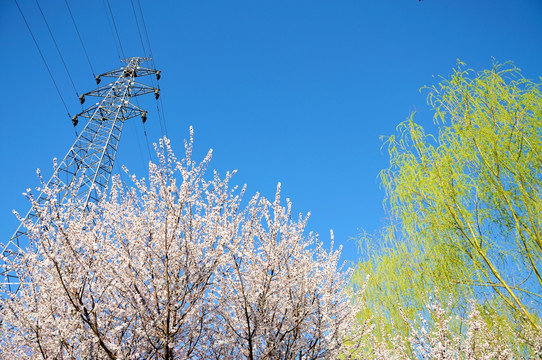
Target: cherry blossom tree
{"type": "Point", "coordinates": [280, 298]}
{"type": "Point", "coordinates": [175, 267]}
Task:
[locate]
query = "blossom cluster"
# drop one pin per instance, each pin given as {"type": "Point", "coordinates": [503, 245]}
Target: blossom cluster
{"type": "Point", "coordinates": [440, 334]}
{"type": "Point", "coordinates": [175, 267]}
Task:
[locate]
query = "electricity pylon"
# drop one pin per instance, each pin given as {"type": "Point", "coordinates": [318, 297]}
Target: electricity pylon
{"type": "Point", "coordinates": [86, 169]}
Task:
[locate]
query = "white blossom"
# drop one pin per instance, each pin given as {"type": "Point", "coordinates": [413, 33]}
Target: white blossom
{"type": "Point", "coordinates": [175, 268]}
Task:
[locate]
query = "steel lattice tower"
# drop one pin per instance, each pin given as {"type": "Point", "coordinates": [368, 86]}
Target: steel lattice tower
{"type": "Point", "coordinates": [86, 169]}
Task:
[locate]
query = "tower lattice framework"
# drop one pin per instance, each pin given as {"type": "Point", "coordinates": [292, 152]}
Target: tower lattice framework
{"type": "Point", "coordinates": [86, 169]}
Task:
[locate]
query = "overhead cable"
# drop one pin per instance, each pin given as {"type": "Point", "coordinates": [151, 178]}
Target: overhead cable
{"type": "Point", "coordinates": [147, 140]}
{"type": "Point", "coordinates": [43, 58]}
{"type": "Point", "coordinates": [111, 29]}
{"type": "Point", "coordinates": [146, 33]}
{"type": "Point", "coordinates": [138, 29]}
{"type": "Point", "coordinates": [116, 30]}
{"type": "Point", "coordinates": [80, 39]}
{"type": "Point", "coordinates": [161, 115]}
{"type": "Point", "coordinates": [57, 49]}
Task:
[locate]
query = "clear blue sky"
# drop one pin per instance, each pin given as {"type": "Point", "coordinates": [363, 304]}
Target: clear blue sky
{"type": "Point", "coordinates": [291, 91]}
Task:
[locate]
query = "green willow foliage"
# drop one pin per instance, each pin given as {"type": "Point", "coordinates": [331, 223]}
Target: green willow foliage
{"type": "Point", "coordinates": [465, 207]}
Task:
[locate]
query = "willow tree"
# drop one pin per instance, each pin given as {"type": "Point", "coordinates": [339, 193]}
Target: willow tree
{"type": "Point", "coordinates": [465, 206]}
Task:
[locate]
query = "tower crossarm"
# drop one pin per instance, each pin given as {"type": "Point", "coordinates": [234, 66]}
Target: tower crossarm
{"type": "Point", "coordinates": [85, 171]}
{"type": "Point", "coordinates": [129, 71]}
{"type": "Point", "coordinates": [125, 71]}
{"type": "Point", "coordinates": [135, 90]}
{"type": "Point", "coordinates": [97, 111]}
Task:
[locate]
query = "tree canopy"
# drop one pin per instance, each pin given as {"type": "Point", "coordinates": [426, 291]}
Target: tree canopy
{"type": "Point", "coordinates": [465, 206]}
{"type": "Point", "coordinates": [175, 267]}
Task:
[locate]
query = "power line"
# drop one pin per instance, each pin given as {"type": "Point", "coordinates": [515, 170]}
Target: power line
{"type": "Point", "coordinates": [111, 29]}
{"type": "Point", "coordinates": [161, 115]}
{"type": "Point", "coordinates": [57, 49]}
{"type": "Point", "coordinates": [80, 39]}
{"type": "Point", "coordinates": [43, 58]}
{"type": "Point", "coordinates": [147, 140]}
{"type": "Point", "coordinates": [161, 119]}
{"type": "Point", "coordinates": [145, 133]}
{"type": "Point", "coordinates": [146, 34]}
{"type": "Point", "coordinates": [152, 80]}
{"type": "Point", "coordinates": [137, 134]}
{"type": "Point", "coordinates": [116, 30]}
{"type": "Point", "coordinates": [138, 29]}
{"type": "Point", "coordinates": [108, 7]}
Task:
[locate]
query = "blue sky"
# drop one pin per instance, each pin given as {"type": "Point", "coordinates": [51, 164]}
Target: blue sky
{"type": "Point", "coordinates": [297, 92]}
